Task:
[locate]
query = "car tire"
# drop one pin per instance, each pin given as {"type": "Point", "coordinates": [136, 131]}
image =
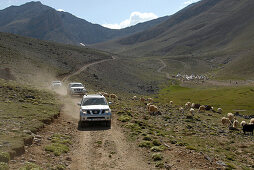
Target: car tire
{"type": "Point", "coordinates": [82, 124]}
{"type": "Point", "coordinates": [108, 124]}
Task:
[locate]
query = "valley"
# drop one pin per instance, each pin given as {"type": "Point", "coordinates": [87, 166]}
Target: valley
{"type": "Point", "coordinates": [39, 126]}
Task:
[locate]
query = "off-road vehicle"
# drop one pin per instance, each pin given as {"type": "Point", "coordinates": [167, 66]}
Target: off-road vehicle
{"type": "Point", "coordinates": [94, 108]}
{"type": "Point", "coordinates": [56, 85]}
{"type": "Point", "coordinates": [76, 89]}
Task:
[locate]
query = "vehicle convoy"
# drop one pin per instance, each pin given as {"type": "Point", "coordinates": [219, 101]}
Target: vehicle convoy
{"type": "Point", "coordinates": [76, 89]}
{"type": "Point", "coordinates": [56, 84]}
{"type": "Point", "coordinates": [94, 108]}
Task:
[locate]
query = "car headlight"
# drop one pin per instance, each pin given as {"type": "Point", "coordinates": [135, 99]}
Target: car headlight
{"type": "Point", "coordinates": [84, 111]}
{"type": "Point", "coordinates": [107, 111]}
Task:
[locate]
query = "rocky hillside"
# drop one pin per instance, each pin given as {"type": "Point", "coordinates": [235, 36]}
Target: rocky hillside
{"type": "Point", "coordinates": [39, 21]}
{"type": "Point", "coordinates": [31, 60]}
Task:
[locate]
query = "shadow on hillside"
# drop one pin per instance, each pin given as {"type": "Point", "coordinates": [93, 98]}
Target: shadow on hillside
{"type": "Point", "coordinates": [93, 126]}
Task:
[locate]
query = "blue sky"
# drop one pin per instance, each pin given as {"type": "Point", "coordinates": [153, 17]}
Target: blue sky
{"type": "Point", "coordinates": [112, 13]}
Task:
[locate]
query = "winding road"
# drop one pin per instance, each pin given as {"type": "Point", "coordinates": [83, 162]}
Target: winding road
{"type": "Point", "coordinates": [164, 65]}
{"type": "Point", "coordinates": [66, 78]}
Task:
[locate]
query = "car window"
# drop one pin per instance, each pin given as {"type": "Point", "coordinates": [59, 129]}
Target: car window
{"type": "Point", "coordinates": [94, 101]}
{"type": "Point", "coordinates": [77, 85]}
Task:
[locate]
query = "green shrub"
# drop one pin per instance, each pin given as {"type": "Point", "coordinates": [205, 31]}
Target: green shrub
{"type": "Point", "coordinates": [157, 148]}
{"type": "Point", "coordinates": [124, 118]}
{"type": "Point", "coordinates": [157, 156]}
{"type": "Point", "coordinates": [30, 166]}
{"type": "Point", "coordinates": [190, 147]}
{"type": "Point", "coordinates": [145, 144]}
{"type": "Point", "coordinates": [147, 138]}
{"type": "Point", "coordinates": [159, 164]}
{"type": "Point", "coordinates": [4, 166]}
{"type": "Point", "coordinates": [4, 157]}
{"type": "Point", "coordinates": [156, 142]}
{"type": "Point", "coordinates": [57, 148]}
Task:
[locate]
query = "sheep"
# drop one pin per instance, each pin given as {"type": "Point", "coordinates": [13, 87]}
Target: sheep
{"type": "Point", "coordinates": [201, 109]}
{"type": "Point", "coordinates": [252, 121]}
{"type": "Point", "coordinates": [171, 103]}
{"type": "Point", "coordinates": [192, 111]}
{"type": "Point", "coordinates": [248, 128]}
{"type": "Point", "coordinates": [235, 124]}
{"type": "Point", "coordinates": [195, 106]}
{"type": "Point", "coordinates": [142, 99]}
{"type": "Point", "coordinates": [243, 123]}
{"type": "Point", "coordinates": [225, 121]}
{"type": "Point", "coordinates": [150, 100]}
{"type": "Point", "coordinates": [106, 95]}
{"type": "Point", "coordinates": [181, 109]}
{"type": "Point", "coordinates": [113, 96]}
{"type": "Point", "coordinates": [148, 105]}
{"type": "Point", "coordinates": [188, 105]}
{"type": "Point", "coordinates": [153, 109]}
{"type": "Point", "coordinates": [231, 116]}
{"type": "Point", "coordinates": [208, 107]}
{"type": "Point", "coordinates": [134, 98]}
{"type": "Point", "coordinates": [219, 110]}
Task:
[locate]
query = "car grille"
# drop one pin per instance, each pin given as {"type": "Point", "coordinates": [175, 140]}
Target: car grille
{"type": "Point", "coordinates": [77, 89]}
{"type": "Point", "coordinates": [96, 118]}
{"type": "Point", "coordinates": [94, 111]}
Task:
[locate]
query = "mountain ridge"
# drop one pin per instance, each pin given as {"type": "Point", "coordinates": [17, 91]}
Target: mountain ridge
{"type": "Point", "coordinates": [36, 20]}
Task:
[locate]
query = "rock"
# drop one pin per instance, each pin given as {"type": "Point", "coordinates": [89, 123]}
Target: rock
{"type": "Point", "coordinates": [38, 136]}
{"type": "Point", "coordinates": [221, 131]}
{"type": "Point", "coordinates": [208, 158]}
{"type": "Point", "coordinates": [168, 167]}
{"type": "Point", "coordinates": [32, 160]}
{"type": "Point", "coordinates": [221, 163]}
{"type": "Point", "coordinates": [68, 158]}
{"type": "Point", "coordinates": [27, 132]}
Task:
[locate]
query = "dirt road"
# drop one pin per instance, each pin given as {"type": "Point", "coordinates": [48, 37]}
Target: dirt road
{"type": "Point", "coordinates": [85, 67]}
{"type": "Point", "coordinates": [164, 65]}
{"type": "Point", "coordinates": [100, 147]}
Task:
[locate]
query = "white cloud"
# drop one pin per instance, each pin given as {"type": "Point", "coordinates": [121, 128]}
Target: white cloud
{"type": "Point", "coordinates": [135, 18]}
{"type": "Point", "coordinates": [60, 10]}
{"type": "Point", "coordinates": [190, 2]}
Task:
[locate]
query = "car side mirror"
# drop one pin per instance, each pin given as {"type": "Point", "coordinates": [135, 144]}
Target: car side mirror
{"type": "Point", "coordinates": [109, 103]}
{"type": "Point", "coordinates": [79, 104]}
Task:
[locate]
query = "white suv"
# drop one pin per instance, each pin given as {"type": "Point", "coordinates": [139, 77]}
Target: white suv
{"type": "Point", "coordinates": [76, 89]}
{"type": "Point", "coordinates": [56, 84]}
{"type": "Point", "coordinates": [94, 108]}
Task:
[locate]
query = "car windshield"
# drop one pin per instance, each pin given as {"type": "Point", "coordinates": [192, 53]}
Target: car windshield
{"type": "Point", "coordinates": [94, 101]}
{"type": "Point", "coordinates": [77, 85]}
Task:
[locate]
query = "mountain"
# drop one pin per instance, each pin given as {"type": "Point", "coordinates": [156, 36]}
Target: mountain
{"type": "Point", "coordinates": [218, 33]}
{"type": "Point", "coordinates": [36, 20]}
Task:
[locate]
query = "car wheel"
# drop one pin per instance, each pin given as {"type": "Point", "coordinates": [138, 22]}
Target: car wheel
{"type": "Point", "coordinates": [82, 124]}
{"type": "Point", "coordinates": [108, 124]}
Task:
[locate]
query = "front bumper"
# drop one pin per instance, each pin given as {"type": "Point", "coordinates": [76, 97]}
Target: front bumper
{"type": "Point", "coordinates": [95, 117]}
{"type": "Point", "coordinates": [78, 92]}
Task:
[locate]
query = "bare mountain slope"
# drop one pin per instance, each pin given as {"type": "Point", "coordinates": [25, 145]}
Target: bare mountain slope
{"type": "Point", "coordinates": [215, 31]}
